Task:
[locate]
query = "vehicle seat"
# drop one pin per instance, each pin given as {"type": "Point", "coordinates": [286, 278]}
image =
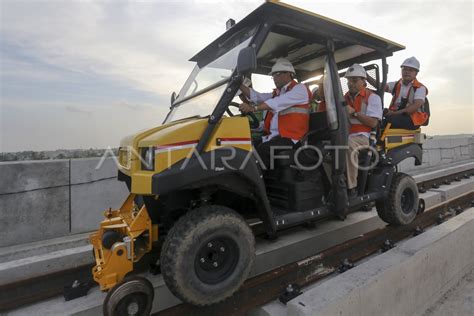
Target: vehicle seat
{"type": "Point", "coordinates": [395, 137]}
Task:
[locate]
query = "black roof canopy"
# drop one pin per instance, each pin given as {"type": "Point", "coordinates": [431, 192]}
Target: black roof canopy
{"type": "Point", "coordinates": [301, 36]}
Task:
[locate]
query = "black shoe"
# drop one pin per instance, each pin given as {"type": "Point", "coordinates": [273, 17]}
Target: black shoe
{"type": "Point", "coordinates": [351, 193]}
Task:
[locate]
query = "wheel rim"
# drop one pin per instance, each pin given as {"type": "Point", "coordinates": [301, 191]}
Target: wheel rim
{"type": "Point", "coordinates": [131, 297]}
{"type": "Point", "coordinates": [132, 304]}
{"type": "Point", "coordinates": [407, 201]}
{"type": "Point", "coordinates": [216, 259]}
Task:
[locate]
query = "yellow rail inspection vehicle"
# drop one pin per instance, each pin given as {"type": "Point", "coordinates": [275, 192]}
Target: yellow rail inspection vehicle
{"type": "Point", "coordinates": [195, 183]}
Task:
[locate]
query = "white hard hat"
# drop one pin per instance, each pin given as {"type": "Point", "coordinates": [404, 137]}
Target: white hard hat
{"type": "Point", "coordinates": [356, 70]}
{"type": "Point", "coordinates": [282, 64]}
{"type": "Point", "coordinates": [411, 62]}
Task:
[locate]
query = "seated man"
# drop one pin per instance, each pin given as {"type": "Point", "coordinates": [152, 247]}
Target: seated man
{"type": "Point", "coordinates": [287, 117]}
{"type": "Point", "coordinates": [407, 106]}
{"type": "Point", "coordinates": [364, 108]}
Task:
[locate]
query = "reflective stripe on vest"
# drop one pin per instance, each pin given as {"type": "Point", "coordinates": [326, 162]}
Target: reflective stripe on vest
{"type": "Point", "coordinates": [418, 117]}
{"type": "Point", "coordinates": [360, 105]}
{"type": "Point", "coordinates": [294, 110]}
{"type": "Point", "coordinates": [293, 122]}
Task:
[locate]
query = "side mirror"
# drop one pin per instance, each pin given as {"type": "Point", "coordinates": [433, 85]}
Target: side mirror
{"type": "Point", "coordinates": [247, 61]}
{"type": "Point", "coordinates": [173, 97]}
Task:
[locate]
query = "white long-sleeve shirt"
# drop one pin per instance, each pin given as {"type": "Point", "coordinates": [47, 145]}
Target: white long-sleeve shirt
{"type": "Point", "coordinates": [420, 93]}
{"type": "Point", "coordinates": [284, 99]}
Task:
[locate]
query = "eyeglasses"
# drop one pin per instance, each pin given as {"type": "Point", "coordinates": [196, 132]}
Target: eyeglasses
{"type": "Point", "coordinates": [405, 68]}
{"type": "Point", "coordinates": [276, 74]}
{"type": "Point", "coordinates": [353, 79]}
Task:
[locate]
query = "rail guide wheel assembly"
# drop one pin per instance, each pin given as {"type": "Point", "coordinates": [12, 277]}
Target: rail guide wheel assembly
{"type": "Point", "coordinates": [132, 296]}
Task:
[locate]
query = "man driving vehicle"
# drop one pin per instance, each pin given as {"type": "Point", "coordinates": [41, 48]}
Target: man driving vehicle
{"type": "Point", "coordinates": [287, 117]}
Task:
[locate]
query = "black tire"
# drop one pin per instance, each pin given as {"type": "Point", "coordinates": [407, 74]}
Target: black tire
{"type": "Point", "coordinates": [109, 238]}
{"type": "Point", "coordinates": [207, 255]}
{"type": "Point", "coordinates": [401, 206]}
{"type": "Point", "coordinates": [133, 296]}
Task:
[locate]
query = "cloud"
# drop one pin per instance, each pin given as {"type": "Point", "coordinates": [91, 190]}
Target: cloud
{"type": "Point", "coordinates": [136, 107]}
{"type": "Point", "coordinates": [76, 109]}
{"type": "Point", "coordinates": [145, 45]}
{"type": "Point", "coordinates": [117, 60]}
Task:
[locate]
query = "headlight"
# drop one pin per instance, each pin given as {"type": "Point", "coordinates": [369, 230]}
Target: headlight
{"type": "Point", "coordinates": [148, 158]}
{"type": "Point", "coordinates": [125, 157]}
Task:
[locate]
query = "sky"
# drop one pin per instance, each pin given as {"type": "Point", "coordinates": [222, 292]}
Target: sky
{"type": "Point", "coordinates": [84, 74]}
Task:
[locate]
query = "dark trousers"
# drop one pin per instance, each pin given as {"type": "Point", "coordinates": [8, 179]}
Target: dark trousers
{"type": "Point", "coordinates": [401, 121]}
{"type": "Point", "coordinates": [264, 150]}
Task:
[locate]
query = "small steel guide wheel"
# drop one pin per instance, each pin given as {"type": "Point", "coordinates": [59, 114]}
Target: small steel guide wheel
{"type": "Point", "coordinates": [133, 296]}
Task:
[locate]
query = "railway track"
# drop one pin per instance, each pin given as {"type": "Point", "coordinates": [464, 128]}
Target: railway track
{"type": "Point", "coordinates": [267, 286]}
{"type": "Point", "coordinates": [273, 284]}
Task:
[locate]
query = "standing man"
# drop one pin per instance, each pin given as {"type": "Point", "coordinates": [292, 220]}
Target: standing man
{"type": "Point", "coordinates": [287, 118]}
{"type": "Point", "coordinates": [408, 98]}
{"type": "Point", "coordinates": [364, 109]}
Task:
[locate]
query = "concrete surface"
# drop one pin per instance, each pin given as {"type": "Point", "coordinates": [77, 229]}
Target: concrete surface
{"type": "Point", "coordinates": [27, 176]}
{"type": "Point", "coordinates": [34, 201]}
{"type": "Point", "coordinates": [455, 189]}
{"type": "Point", "coordinates": [295, 244]}
{"type": "Point", "coordinates": [386, 280]}
{"type": "Point", "coordinates": [40, 258]}
{"type": "Point", "coordinates": [35, 215]}
{"type": "Point", "coordinates": [425, 174]}
{"type": "Point", "coordinates": [292, 245]}
{"type": "Point", "coordinates": [88, 170]}
{"type": "Point", "coordinates": [408, 279]}
{"type": "Point", "coordinates": [443, 150]}
{"type": "Point", "coordinates": [90, 200]}
{"type": "Point", "coordinates": [457, 301]}
{"type": "Point", "coordinates": [299, 243]}
{"type": "Point", "coordinates": [30, 267]}
{"type": "Point", "coordinates": [94, 188]}
{"type": "Point", "coordinates": [41, 247]}
{"type": "Point", "coordinates": [40, 200]}
{"type": "Point", "coordinates": [432, 198]}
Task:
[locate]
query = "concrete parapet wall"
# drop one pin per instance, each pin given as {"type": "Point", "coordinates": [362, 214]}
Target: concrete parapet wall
{"type": "Point", "coordinates": [442, 150]}
{"type": "Point", "coordinates": [409, 278]}
{"type": "Point", "coordinates": [46, 199]}
{"type": "Point", "coordinates": [94, 188]}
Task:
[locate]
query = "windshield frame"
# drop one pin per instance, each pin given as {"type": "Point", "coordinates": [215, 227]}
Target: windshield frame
{"type": "Point", "coordinates": [202, 91]}
{"type": "Point", "coordinates": [247, 35]}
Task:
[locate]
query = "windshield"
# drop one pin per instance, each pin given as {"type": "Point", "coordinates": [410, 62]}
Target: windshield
{"type": "Point", "coordinates": [205, 85]}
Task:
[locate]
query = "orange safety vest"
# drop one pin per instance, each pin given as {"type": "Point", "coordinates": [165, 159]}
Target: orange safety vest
{"type": "Point", "coordinates": [293, 122]}
{"type": "Point", "coordinates": [359, 104]}
{"type": "Point", "coordinates": [420, 116]}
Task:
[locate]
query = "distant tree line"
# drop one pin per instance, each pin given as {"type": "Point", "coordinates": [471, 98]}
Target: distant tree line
{"type": "Point", "coordinates": [56, 154]}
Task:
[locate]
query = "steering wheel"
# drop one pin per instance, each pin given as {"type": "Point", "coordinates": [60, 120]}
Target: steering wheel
{"type": "Point", "coordinates": [254, 122]}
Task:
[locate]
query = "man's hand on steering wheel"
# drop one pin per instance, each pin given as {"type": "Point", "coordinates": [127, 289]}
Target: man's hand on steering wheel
{"type": "Point", "coordinates": [246, 108]}
{"type": "Point", "coordinates": [254, 122]}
